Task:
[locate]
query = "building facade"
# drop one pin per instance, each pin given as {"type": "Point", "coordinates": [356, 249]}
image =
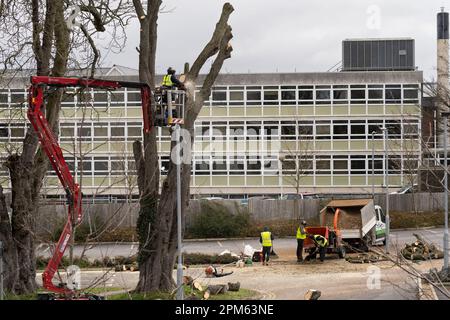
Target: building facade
{"type": "Point", "coordinates": [258, 134]}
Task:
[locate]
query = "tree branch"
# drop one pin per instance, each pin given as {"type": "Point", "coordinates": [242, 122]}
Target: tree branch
{"type": "Point", "coordinates": [214, 44]}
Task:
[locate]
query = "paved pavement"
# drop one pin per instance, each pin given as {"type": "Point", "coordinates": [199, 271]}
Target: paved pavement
{"type": "Point", "coordinates": [398, 238]}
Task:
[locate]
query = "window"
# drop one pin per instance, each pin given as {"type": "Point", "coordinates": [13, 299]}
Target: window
{"type": "Point", "coordinates": [377, 164]}
{"type": "Point", "coordinates": [358, 96]}
{"type": "Point", "coordinates": [340, 96]}
{"type": "Point", "coordinates": [237, 165]}
{"type": "Point", "coordinates": [288, 97]}
{"type": "Point", "coordinates": [271, 130]}
{"type": "Point", "coordinates": [305, 130]}
{"type": "Point", "coordinates": [219, 98]}
{"type": "Point", "coordinates": [394, 129]}
{"type": "Point", "coordinates": [270, 164]}
{"type": "Point", "coordinates": [340, 165]}
{"type": "Point", "coordinates": [4, 131]}
{"type": "Point", "coordinates": [288, 165]}
{"type": "Point", "coordinates": [219, 130]}
{"type": "Point", "coordinates": [253, 165]}
{"type": "Point", "coordinates": [288, 130]}
{"type": "Point", "coordinates": [219, 165]}
{"type": "Point", "coordinates": [236, 130]}
{"type": "Point", "coordinates": [305, 96]}
{"type": "Point", "coordinates": [202, 165]}
{"type": "Point", "coordinates": [100, 166]}
{"type": "Point", "coordinates": [358, 166]}
{"type": "Point", "coordinates": [134, 132]}
{"type": "Point", "coordinates": [253, 97]}
{"type": "Point", "coordinates": [236, 98]}
{"type": "Point", "coordinates": [253, 130]}
{"type": "Point", "coordinates": [323, 165]}
{"type": "Point", "coordinates": [323, 94]}
{"type": "Point", "coordinates": [358, 129]}
{"type": "Point", "coordinates": [340, 129]}
{"type": "Point", "coordinates": [117, 166]}
{"type": "Point", "coordinates": [393, 94]}
{"type": "Point", "coordinates": [410, 95]}
{"type": "Point", "coordinates": [117, 131]}
{"type": "Point", "coordinates": [270, 97]}
{"type": "Point", "coordinates": [323, 130]}
{"type": "Point", "coordinates": [165, 164]}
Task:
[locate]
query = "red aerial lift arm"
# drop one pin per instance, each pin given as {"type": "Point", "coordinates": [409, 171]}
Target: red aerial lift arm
{"type": "Point", "coordinates": [50, 145]}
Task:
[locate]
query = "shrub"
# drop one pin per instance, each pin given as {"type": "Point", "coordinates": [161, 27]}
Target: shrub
{"type": "Point", "coordinates": [216, 221]}
{"type": "Point", "coordinates": [200, 258]}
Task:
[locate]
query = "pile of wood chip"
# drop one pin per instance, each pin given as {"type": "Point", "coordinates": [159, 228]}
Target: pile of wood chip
{"type": "Point", "coordinates": [421, 250]}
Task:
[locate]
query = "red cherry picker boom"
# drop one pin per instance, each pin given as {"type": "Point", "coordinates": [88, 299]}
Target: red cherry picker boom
{"type": "Point", "coordinates": [49, 144]}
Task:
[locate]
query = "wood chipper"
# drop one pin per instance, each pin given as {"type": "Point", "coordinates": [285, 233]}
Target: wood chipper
{"type": "Point", "coordinates": [335, 244]}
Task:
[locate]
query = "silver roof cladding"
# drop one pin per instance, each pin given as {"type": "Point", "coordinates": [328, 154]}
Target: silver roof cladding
{"type": "Point", "coordinates": [378, 54]}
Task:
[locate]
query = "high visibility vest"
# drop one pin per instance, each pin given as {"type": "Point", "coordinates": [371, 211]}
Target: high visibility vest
{"type": "Point", "coordinates": [300, 235]}
{"type": "Point", "coordinates": [266, 239]}
{"type": "Point", "coordinates": [320, 240]}
{"type": "Point", "coordinates": [167, 80]}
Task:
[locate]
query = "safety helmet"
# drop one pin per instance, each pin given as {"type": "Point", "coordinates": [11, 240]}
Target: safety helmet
{"type": "Point", "coordinates": [304, 222]}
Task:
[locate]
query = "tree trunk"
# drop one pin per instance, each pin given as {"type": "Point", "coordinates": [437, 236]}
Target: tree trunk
{"type": "Point", "coordinates": [28, 169]}
{"type": "Point", "coordinates": [157, 222]}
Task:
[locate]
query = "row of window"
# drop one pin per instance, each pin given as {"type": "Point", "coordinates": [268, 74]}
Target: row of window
{"type": "Point", "coordinates": [306, 129]}
{"type": "Point", "coordinates": [319, 94]}
{"type": "Point", "coordinates": [234, 130]}
{"type": "Point", "coordinates": [254, 165]}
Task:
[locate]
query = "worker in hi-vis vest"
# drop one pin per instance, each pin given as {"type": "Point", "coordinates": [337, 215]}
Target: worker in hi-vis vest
{"type": "Point", "coordinates": [321, 244]}
{"type": "Point", "coordinates": [266, 239]}
{"type": "Point", "coordinates": [301, 236]}
{"type": "Point", "coordinates": [170, 81]}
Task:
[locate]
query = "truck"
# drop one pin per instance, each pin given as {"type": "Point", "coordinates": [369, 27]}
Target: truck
{"type": "Point", "coordinates": [358, 222]}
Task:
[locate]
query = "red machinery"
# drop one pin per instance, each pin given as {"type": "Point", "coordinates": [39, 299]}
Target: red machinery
{"type": "Point", "coordinates": [335, 244]}
{"type": "Point", "coordinates": [51, 147]}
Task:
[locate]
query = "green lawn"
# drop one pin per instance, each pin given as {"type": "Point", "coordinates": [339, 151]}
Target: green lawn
{"type": "Point", "coordinates": [242, 294]}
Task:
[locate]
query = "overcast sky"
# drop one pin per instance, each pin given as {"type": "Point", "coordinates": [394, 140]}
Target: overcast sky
{"type": "Point", "coordinates": [287, 35]}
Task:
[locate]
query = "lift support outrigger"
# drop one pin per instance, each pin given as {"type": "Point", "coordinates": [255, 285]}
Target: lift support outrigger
{"type": "Point", "coordinates": [51, 147]}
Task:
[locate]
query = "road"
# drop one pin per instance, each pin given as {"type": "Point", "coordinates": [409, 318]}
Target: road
{"type": "Point", "coordinates": [284, 279]}
{"type": "Point", "coordinates": [398, 238]}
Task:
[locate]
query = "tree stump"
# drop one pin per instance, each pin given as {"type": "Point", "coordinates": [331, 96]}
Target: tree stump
{"type": "Point", "coordinates": [312, 294]}
{"type": "Point", "coordinates": [217, 289]}
{"type": "Point", "coordinates": [234, 286]}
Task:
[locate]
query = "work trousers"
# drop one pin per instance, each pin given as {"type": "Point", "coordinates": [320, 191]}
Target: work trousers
{"type": "Point", "coordinates": [266, 253]}
{"type": "Point", "coordinates": [300, 249]}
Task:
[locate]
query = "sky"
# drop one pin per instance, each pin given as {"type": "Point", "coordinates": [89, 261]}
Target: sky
{"type": "Point", "coordinates": [286, 35]}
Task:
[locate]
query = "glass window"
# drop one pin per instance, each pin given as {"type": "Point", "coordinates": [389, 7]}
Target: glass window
{"type": "Point", "coordinates": [253, 130]}
{"type": "Point", "coordinates": [134, 131]}
{"type": "Point", "coordinates": [358, 166]}
{"type": "Point", "coordinates": [253, 95]}
{"type": "Point", "coordinates": [323, 165]}
{"type": "Point", "coordinates": [323, 130]}
{"type": "Point", "coordinates": [305, 129]}
{"type": "Point", "coordinates": [287, 95]}
{"type": "Point", "coordinates": [288, 130]}
{"type": "Point", "coordinates": [340, 166]}
{"type": "Point", "coordinates": [358, 94]}
{"type": "Point", "coordinates": [253, 165]}
{"type": "Point", "coordinates": [375, 94]}
{"type": "Point", "coordinates": [393, 95]}
{"type": "Point", "coordinates": [340, 130]}
{"type": "Point", "coordinates": [117, 131]}
{"type": "Point", "coordinates": [323, 94]}
{"type": "Point", "coordinates": [236, 95]}
{"type": "Point", "coordinates": [270, 95]}
{"type": "Point", "coordinates": [340, 94]}
{"type": "Point", "coordinates": [219, 96]}
{"type": "Point", "coordinates": [237, 165]}
{"type": "Point", "coordinates": [305, 95]}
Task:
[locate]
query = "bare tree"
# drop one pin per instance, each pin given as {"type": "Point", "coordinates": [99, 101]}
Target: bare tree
{"type": "Point", "coordinates": [35, 35]}
{"type": "Point", "coordinates": [157, 223]}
